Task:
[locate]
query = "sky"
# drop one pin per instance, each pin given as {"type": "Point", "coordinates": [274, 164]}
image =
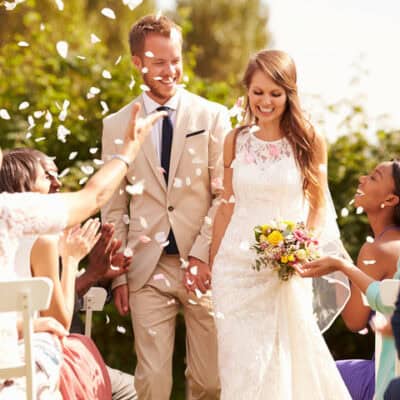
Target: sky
{"type": "Point", "coordinates": [334, 43]}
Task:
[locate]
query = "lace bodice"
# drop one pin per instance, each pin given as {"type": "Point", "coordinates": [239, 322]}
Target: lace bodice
{"type": "Point", "coordinates": [22, 214]}
{"type": "Point", "coordinates": [266, 179]}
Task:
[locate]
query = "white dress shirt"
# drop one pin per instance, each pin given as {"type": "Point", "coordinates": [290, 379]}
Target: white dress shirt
{"type": "Point", "coordinates": [151, 106]}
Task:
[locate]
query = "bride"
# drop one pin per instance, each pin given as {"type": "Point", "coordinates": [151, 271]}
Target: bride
{"type": "Point", "coordinates": [270, 343]}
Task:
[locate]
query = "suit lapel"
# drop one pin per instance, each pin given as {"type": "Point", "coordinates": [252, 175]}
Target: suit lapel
{"type": "Point", "coordinates": [150, 153]}
{"type": "Point", "coordinates": [183, 116]}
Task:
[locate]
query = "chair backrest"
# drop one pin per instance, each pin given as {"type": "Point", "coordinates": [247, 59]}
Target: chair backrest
{"type": "Point", "coordinates": [388, 290]}
{"type": "Point", "coordinates": [93, 300]}
{"type": "Point", "coordinates": [26, 296]}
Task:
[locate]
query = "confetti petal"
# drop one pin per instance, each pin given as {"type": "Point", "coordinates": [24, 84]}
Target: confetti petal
{"type": "Point", "coordinates": [136, 189]}
{"type": "Point", "coordinates": [359, 210]}
{"type": "Point", "coordinates": [144, 87]}
{"type": "Point", "coordinates": [94, 39]}
{"type": "Point", "coordinates": [128, 252]}
{"type": "Point", "coordinates": [62, 133]}
{"type": "Point", "coordinates": [4, 114]}
{"type": "Point", "coordinates": [370, 239]}
{"type": "Point", "coordinates": [60, 5]}
{"type": "Point", "coordinates": [93, 150]}
{"type": "Point", "coordinates": [344, 212]}
{"type": "Point", "coordinates": [106, 74]}
{"type": "Point", "coordinates": [23, 44]}
{"type": "Point", "coordinates": [177, 183]}
{"type": "Point", "coordinates": [149, 54]}
{"type": "Point", "coordinates": [23, 106]}
{"type": "Point", "coordinates": [132, 4]}
{"type": "Point", "coordinates": [143, 222]}
{"type": "Point", "coordinates": [160, 237]}
{"type": "Point", "coordinates": [62, 48]}
{"type": "Point", "coordinates": [108, 12]}
{"type": "Point", "coordinates": [72, 155]}
{"type": "Point", "coordinates": [87, 169]}
{"type": "Point", "coordinates": [121, 329]}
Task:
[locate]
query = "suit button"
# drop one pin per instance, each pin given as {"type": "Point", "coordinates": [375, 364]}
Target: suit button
{"type": "Point", "coordinates": [170, 208]}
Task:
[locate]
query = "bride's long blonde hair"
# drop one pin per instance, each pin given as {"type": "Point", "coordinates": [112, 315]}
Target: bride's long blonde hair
{"type": "Point", "coordinates": [279, 66]}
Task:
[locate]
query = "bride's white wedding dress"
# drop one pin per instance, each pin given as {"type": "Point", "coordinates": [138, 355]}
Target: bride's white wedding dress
{"type": "Point", "coordinates": [270, 346]}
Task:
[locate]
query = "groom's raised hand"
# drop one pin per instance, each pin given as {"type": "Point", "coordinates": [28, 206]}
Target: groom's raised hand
{"type": "Point", "coordinates": [197, 276]}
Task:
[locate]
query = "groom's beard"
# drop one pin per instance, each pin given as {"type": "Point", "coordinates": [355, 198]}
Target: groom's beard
{"type": "Point", "coordinates": [161, 93]}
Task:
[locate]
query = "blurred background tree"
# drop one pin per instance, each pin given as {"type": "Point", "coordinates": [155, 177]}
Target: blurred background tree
{"type": "Point", "coordinates": [39, 86]}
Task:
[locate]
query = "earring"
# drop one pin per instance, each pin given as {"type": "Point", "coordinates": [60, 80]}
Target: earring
{"type": "Point", "coordinates": [382, 205]}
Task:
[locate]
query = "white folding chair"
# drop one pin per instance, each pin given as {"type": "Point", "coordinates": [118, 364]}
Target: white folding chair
{"type": "Point", "coordinates": [389, 290]}
{"type": "Point", "coordinates": [26, 296]}
{"type": "Point", "coordinates": [93, 300]}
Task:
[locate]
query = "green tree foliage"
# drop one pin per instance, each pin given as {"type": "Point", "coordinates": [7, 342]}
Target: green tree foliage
{"type": "Point", "coordinates": [223, 34]}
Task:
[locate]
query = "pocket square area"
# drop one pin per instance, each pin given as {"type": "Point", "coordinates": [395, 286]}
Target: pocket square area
{"type": "Point", "coordinates": [195, 133]}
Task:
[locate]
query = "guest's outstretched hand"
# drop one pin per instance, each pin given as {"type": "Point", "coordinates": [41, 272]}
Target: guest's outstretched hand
{"type": "Point", "coordinates": [322, 266]}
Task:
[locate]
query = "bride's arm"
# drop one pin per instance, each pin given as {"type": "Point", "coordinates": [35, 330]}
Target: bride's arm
{"type": "Point", "coordinates": [225, 209]}
{"type": "Point", "coordinates": [317, 204]}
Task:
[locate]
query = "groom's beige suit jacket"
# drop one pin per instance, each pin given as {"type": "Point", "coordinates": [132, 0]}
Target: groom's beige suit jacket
{"type": "Point", "coordinates": [187, 204]}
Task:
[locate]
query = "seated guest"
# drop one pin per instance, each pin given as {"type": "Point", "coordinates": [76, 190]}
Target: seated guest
{"type": "Point", "coordinates": [23, 214]}
{"type": "Point", "coordinates": [378, 194]}
{"type": "Point", "coordinates": [26, 169]}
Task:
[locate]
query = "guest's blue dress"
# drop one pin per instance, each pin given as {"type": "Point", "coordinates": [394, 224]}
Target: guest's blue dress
{"type": "Point", "coordinates": [359, 375]}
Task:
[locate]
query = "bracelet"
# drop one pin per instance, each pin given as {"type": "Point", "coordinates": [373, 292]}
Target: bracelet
{"type": "Point", "coordinates": [124, 159]}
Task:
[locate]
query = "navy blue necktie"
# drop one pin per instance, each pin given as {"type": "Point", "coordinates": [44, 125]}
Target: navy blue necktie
{"type": "Point", "coordinates": [166, 141]}
{"type": "Point", "coordinates": [166, 145]}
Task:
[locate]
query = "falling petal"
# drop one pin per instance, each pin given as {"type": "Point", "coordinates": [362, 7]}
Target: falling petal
{"type": "Point", "coordinates": [186, 79]}
{"type": "Point", "coordinates": [121, 329]}
{"type": "Point", "coordinates": [231, 199]}
{"type": "Point", "coordinates": [161, 170]}
{"type": "Point", "coordinates": [93, 91]}
{"type": "Point", "coordinates": [114, 268]}
{"type": "Point", "coordinates": [62, 133]}
{"type": "Point", "coordinates": [198, 294]}
{"type": "Point", "coordinates": [40, 139]}
{"type": "Point", "coordinates": [118, 60]}
{"type": "Point", "coordinates": [254, 129]}
{"type": "Point", "coordinates": [94, 39]}
{"type": "Point", "coordinates": [370, 239]}
{"type": "Point", "coordinates": [38, 114]}
{"type": "Point", "coordinates": [344, 212]}
{"type": "Point", "coordinates": [81, 57]}
{"type": "Point", "coordinates": [4, 114]}
{"type": "Point", "coordinates": [81, 118]}
{"type": "Point", "coordinates": [184, 263]}
{"type": "Point", "coordinates": [191, 151]}
{"type": "Point", "coordinates": [128, 252]}
{"type": "Point", "coordinates": [28, 135]}
{"type": "Point", "coordinates": [98, 162]}
{"type": "Point", "coordinates": [62, 48]}
{"type": "Point", "coordinates": [363, 331]}
{"type": "Point", "coordinates": [83, 180]}
{"type": "Point", "coordinates": [160, 237]}
{"type": "Point", "coordinates": [118, 141]}
{"type": "Point", "coordinates": [87, 169]}
{"type": "Point", "coordinates": [198, 171]}
{"type": "Point", "coordinates": [132, 4]}
{"type": "Point", "coordinates": [60, 4]}
{"type": "Point", "coordinates": [369, 262]}
{"type": "Point", "coordinates": [93, 150]}
{"type": "Point", "coordinates": [126, 219]}
{"type": "Point", "coordinates": [107, 319]}
{"type": "Point", "coordinates": [177, 183]}
{"type": "Point", "coordinates": [49, 120]}
{"type": "Point", "coordinates": [190, 301]}
{"type": "Point", "coordinates": [132, 83]}
{"type": "Point", "coordinates": [72, 155]}
{"type": "Point", "coordinates": [193, 270]}
{"type": "Point", "coordinates": [136, 189]}
{"type": "Point", "coordinates": [143, 222]}
{"type": "Point", "coordinates": [144, 87]}
{"type": "Point", "coordinates": [208, 220]}
{"type": "Point", "coordinates": [359, 210]}
{"type": "Point", "coordinates": [157, 78]}
{"type": "Point", "coordinates": [108, 12]}
{"type": "Point", "coordinates": [172, 301]}
{"type": "Point", "coordinates": [23, 44]}
{"type": "Point", "coordinates": [152, 332]}
{"type": "Point", "coordinates": [164, 244]}
{"type": "Point", "coordinates": [23, 106]}
{"type": "Point", "coordinates": [65, 172]}
{"type": "Point", "coordinates": [105, 107]}
{"type": "Point", "coordinates": [188, 181]}
{"type": "Point", "coordinates": [149, 54]}
{"type": "Point", "coordinates": [175, 35]}
{"type": "Point", "coordinates": [106, 74]}
{"type": "Point", "coordinates": [351, 202]}
{"type": "Point", "coordinates": [145, 70]}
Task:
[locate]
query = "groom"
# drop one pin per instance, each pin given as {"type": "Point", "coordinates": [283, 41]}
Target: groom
{"type": "Point", "coordinates": [172, 201]}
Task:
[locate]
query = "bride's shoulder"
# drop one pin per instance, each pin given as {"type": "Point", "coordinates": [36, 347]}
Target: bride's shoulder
{"type": "Point", "coordinates": [232, 140]}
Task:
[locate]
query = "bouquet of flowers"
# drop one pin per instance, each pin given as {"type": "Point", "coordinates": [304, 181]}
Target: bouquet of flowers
{"type": "Point", "coordinates": [282, 245]}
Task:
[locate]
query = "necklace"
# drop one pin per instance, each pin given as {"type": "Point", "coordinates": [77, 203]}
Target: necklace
{"type": "Point", "coordinates": [387, 228]}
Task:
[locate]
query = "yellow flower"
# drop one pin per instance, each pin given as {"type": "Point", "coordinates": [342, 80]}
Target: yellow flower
{"type": "Point", "coordinates": [291, 257]}
{"type": "Point", "coordinates": [290, 224]}
{"type": "Point", "coordinates": [284, 259]}
{"type": "Point", "coordinates": [264, 228]}
{"type": "Point", "coordinates": [301, 254]}
{"type": "Point", "coordinates": [263, 238]}
{"type": "Point", "coordinates": [274, 238]}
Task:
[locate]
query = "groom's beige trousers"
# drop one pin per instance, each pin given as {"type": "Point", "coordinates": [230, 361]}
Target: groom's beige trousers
{"type": "Point", "coordinates": [154, 308]}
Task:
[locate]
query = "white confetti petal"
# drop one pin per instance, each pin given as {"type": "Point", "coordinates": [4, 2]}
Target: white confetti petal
{"type": "Point", "coordinates": [144, 87]}
{"type": "Point", "coordinates": [188, 181]}
{"type": "Point", "coordinates": [198, 294]}
{"type": "Point", "coordinates": [38, 114]}
{"type": "Point", "coordinates": [23, 106]}
{"type": "Point", "coordinates": [23, 44]}
{"type": "Point", "coordinates": [175, 35]}
{"type": "Point", "coordinates": [28, 135]}
{"type": "Point", "coordinates": [93, 150]}
{"type": "Point", "coordinates": [106, 74]}
{"type": "Point", "coordinates": [344, 212]}
{"type": "Point", "coordinates": [128, 252]}
{"type": "Point", "coordinates": [152, 332]}
{"type": "Point", "coordinates": [4, 114]}
{"type": "Point", "coordinates": [190, 301]}
{"type": "Point", "coordinates": [351, 202]}
{"type": "Point", "coordinates": [105, 107]}
{"type": "Point", "coordinates": [208, 220]}
{"type": "Point", "coordinates": [65, 172]}
{"type": "Point", "coordinates": [62, 133]}
{"type": "Point", "coordinates": [118, 141]}
{"type": "Point", "coordinates": [114, 268]}
{"type": "Point", "coordinates": [121, 329]}
{"type": "Point", "coordinates": [118, 60]}
{"type": "Point", "coordinates": [178, 183]}
{"type": "Point", "coordinates": [254, 129]}
{"type": "Point", "coordinates": [49, 120]}
{"type": "Point", "coordinates": [132, 83]}
{"type": "Point", "coordinates": [108, 12]}
{"type": "Point", "coordinates": [143, 222]}
{"type": "Point", "coordinates": [159, 277]}
{"type": "Point", "coordinates": [231, 199]}
{"type": "Point", "coordinates": [40, 139]}
{"type": "Point", "coordinates": [172, 301]}
{"type": "Point", "coordinates": [60, 4]}
{"type": "Point", "coordinates": [132, 4]}
{"type": "Point", "coordinates": [191, 151]}
{"type": "Point", "coordinates": [62, 48]}
{"type": "Point", "coordinates": [72, 155]}
{"type": "Point", "coordinates": [369, 262]}
{"type": "Point", "coordinates": [81, 57]}
{"type": "Point", "coordinates": [370, 239]}
{"type": "Point", "coordinates": [94, 39]}
{"type": "Point", "coordinates": [160, 237]}
{"type": "Point", "coordinates": [98, 162]}
{"type": "Point", "coordinates": [136, 189]}
{"type": "Point", "coordinates": [359, 210]}
{"type": "Point", "coordinates": [83, 180]}
{"type": "Point", "coordinates": [126, 219]}
{"type": "Point", "coordinates": [198, 171]}
{"type": "Point", "coordinates": [194, 270]}
{"type": "Point", "coordinates": [87, 169]}
{"type": "Point", "coordinates": [157, 78]}
{"type": "Point", "coordinates": [184, 263]}
{"type": "Point", "coordinates": [149, 54]}
{"type": "Point", "coordinates": [145, 70]}
{"type": "Point", "coordinates": [186, 79]}
{"type": "Point", "coordinates": [158, 15]}
{"type": "Point", "coordinates": [107, 319]}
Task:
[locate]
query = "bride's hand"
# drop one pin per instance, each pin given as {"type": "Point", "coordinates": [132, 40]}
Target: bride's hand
{"type": "Point", "coordinates": [322, 266]}
{"type": "Point", "coordinates": [137, 131]}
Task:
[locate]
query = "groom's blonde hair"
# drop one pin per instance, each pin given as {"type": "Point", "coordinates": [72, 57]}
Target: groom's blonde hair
{"type": "Point", "coordinates": [150, 24]}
